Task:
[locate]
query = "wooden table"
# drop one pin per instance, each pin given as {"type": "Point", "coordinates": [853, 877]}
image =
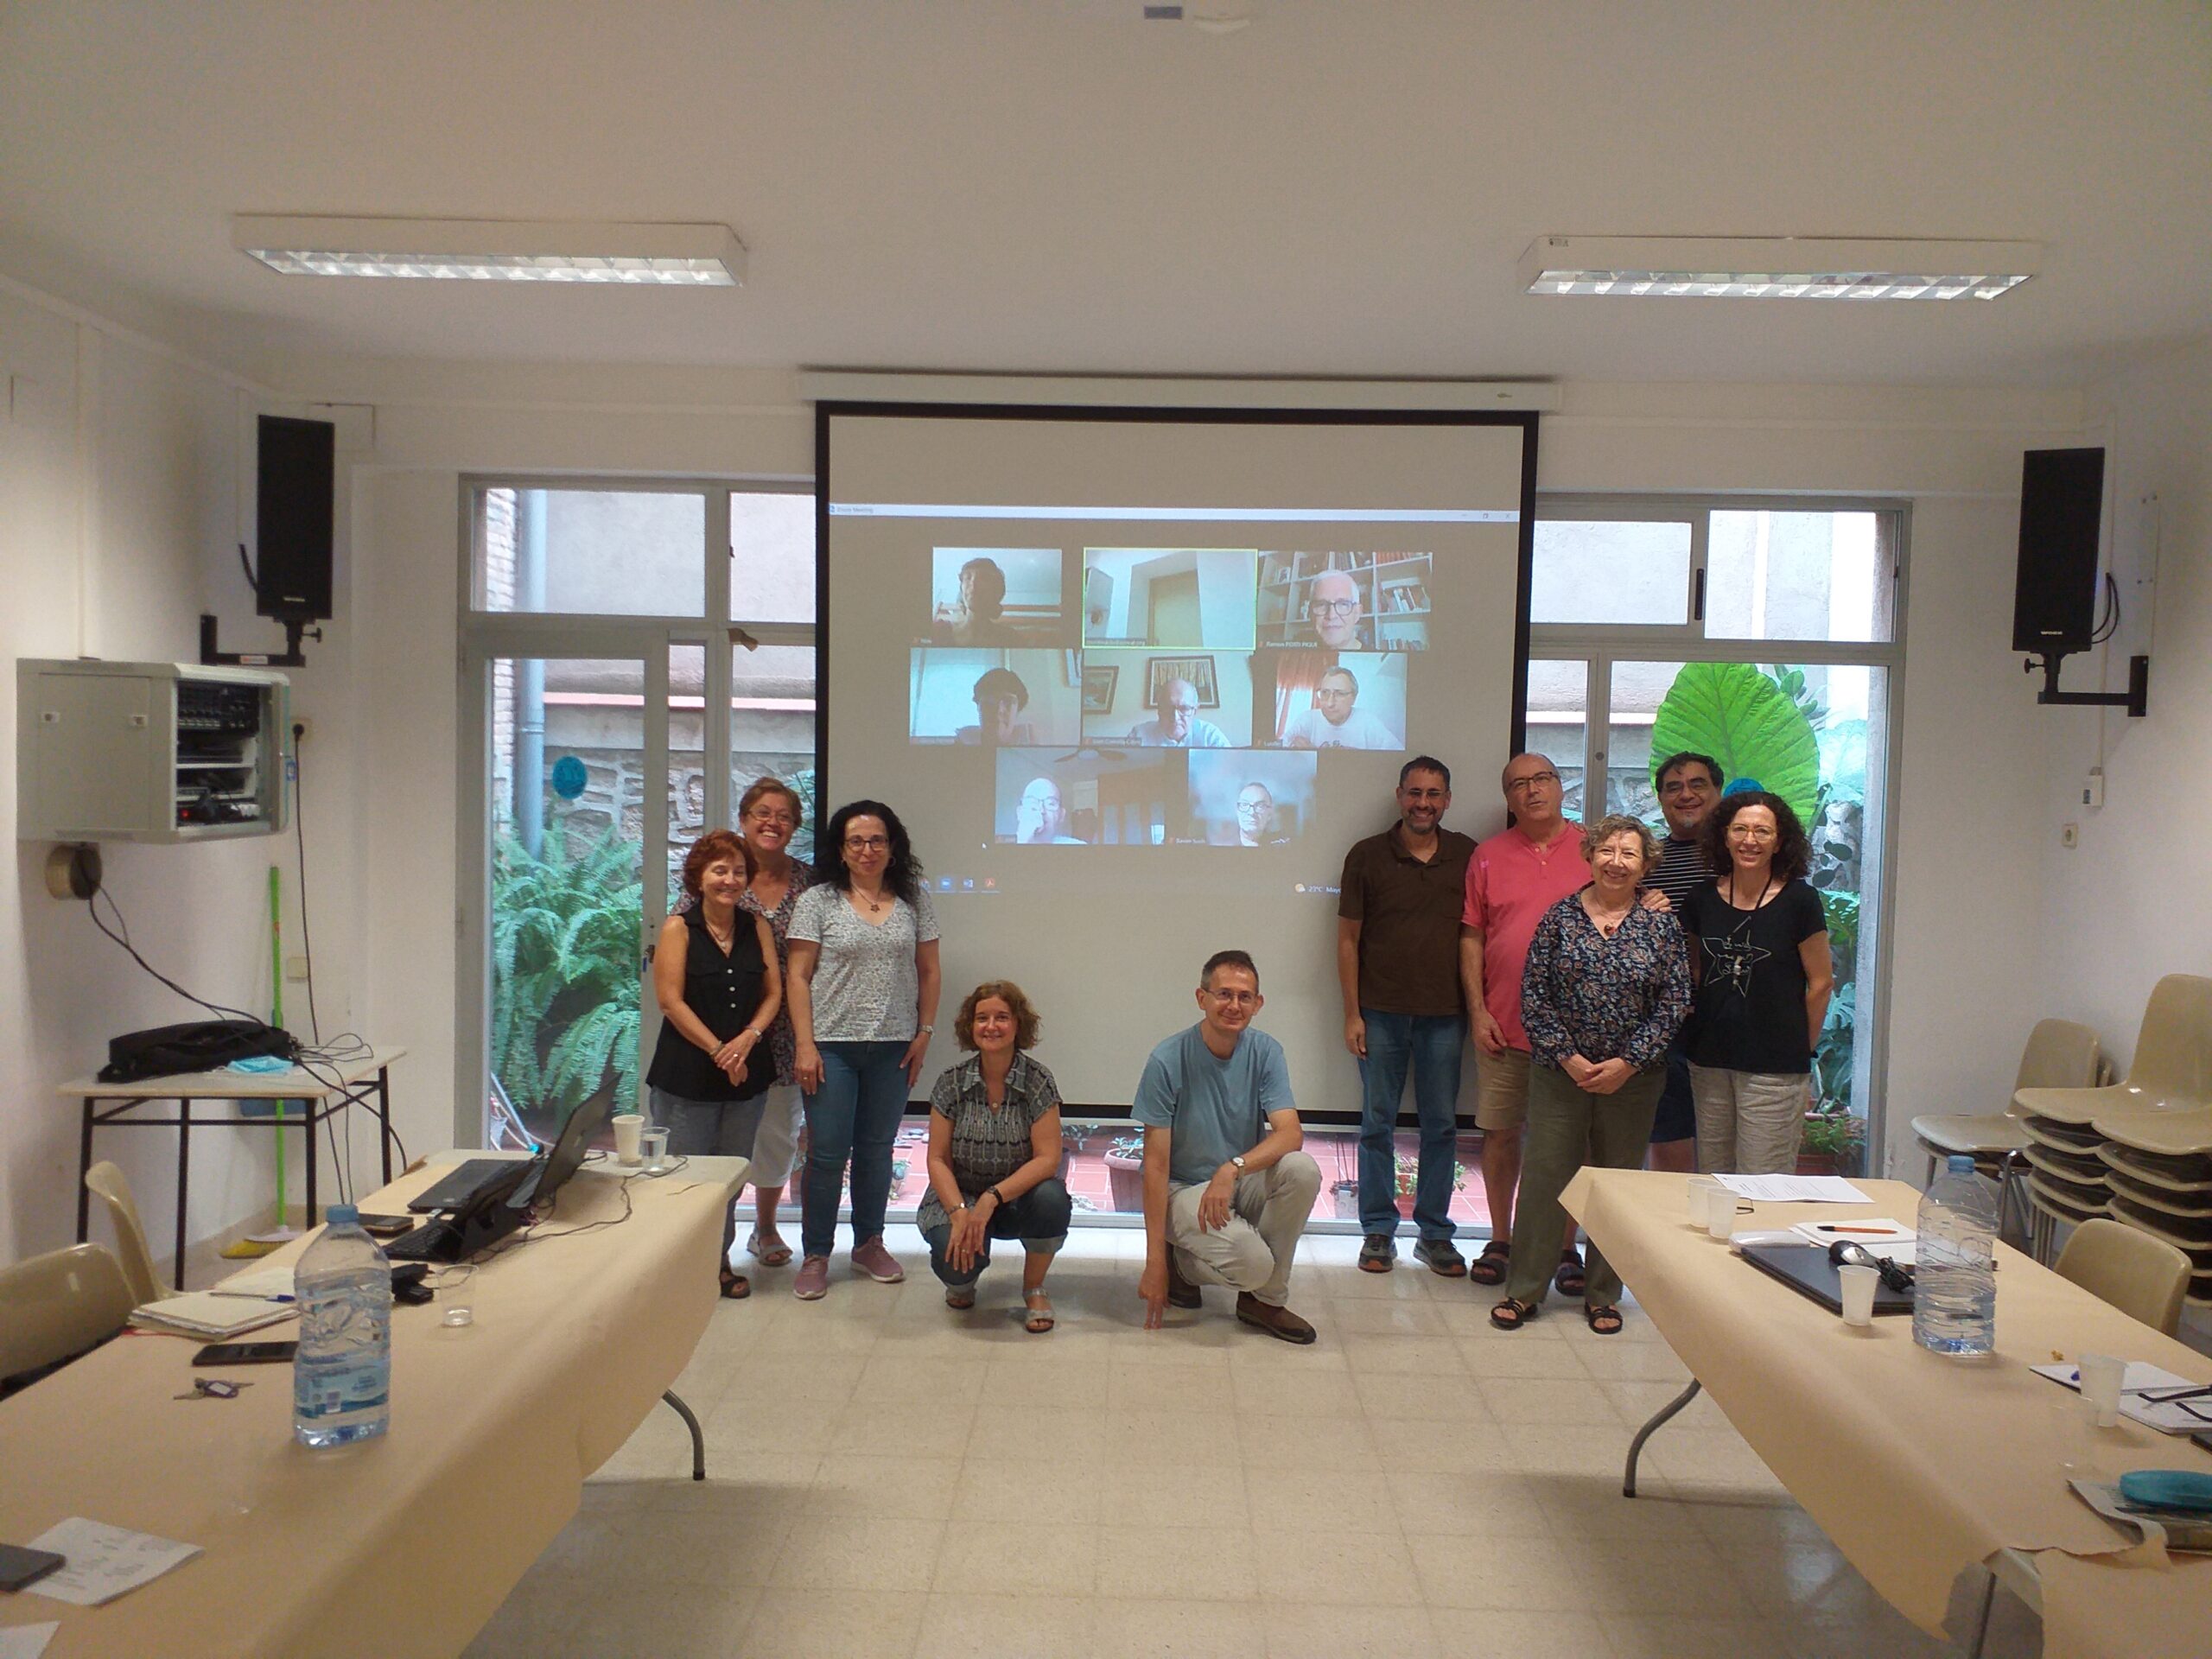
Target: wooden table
{"type": "Point", "coordinates": [1918, 1465]}
{"type": "Point", "coordinates": [406, 1544]}
{"type": "Point", "coordinates": [330, 1088]}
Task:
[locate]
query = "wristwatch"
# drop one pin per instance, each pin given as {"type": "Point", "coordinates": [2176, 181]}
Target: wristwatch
{"type": "Point", "coordinates": [929, 1031]}
{"type": "Point", "coordinates": [1238, 1163]}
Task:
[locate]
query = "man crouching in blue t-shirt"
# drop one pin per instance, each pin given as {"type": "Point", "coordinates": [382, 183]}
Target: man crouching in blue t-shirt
{"type": "Point", "coordinates": [1226, 1189]}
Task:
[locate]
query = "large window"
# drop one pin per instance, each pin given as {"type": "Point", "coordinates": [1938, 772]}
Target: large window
{"type": "Point", "coordinates": [637, 654]}
{"type": "Point", "coordinates": [1761, 634]}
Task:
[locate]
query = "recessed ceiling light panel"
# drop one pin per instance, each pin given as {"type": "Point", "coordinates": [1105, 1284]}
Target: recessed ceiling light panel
{"type": "Point", "coordinates": [464, 250]}
{"type": "Point", "coordinates": [1776, 268]}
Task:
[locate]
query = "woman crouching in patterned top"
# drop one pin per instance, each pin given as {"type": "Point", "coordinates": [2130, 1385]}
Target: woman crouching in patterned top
{"type": "Point", "coordinates": [995, 1154]}
{"type": "Point", "coordinates": [1606, 986]}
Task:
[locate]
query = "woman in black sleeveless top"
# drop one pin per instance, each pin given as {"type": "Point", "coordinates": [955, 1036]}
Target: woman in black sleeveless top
{"type": "Point", "coordinates": [715, 977]}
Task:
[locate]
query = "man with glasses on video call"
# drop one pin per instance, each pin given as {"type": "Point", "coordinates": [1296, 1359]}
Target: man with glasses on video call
{"type": "Point", "coordinates": [1178, 726]}
{"type": "Point", "coordinates": [1333, 605]}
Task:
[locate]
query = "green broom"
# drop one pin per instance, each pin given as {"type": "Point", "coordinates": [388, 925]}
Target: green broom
{"type": "Point", "coordinates": [262, 1243]}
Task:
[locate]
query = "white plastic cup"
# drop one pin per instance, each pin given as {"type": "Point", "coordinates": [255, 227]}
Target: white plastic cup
{"type": "Point", "coordinates": [1698, 1194]}
{"type": "Point", "coordinates": [656, 1149]}
{"type": "Point", "coordinates": [1858, 1282]}
{"type": "Point", "coordinates": [628, 1126]}
{"type": "Point", "coordinates": [2102, 1376]}
{"type": "Point", "coordinates": [1721, 1211]}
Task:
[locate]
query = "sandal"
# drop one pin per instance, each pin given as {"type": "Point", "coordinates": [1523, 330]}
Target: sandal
{"type": "Point", "coordinates": [735, 1286]}
{"type": "Point", "coordinates": [1604, 1319]}
{"type": "Point", "coordinates": [960, 1298]}
{"type": "Point", "coordinates": [774, 1254]}
{"type": "Point", "coordinates": [1489, 1268]}
{"type": "Point", "coordinates": [1040, 1312]}
{"type": "Point", "coordinates": [1511, 1315]}
{"type": "Point", "coordinates": [1570, 1278]}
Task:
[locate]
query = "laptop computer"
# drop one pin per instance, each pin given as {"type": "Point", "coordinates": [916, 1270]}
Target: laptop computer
{"type": "Point", "coordinates": [526, 1182]}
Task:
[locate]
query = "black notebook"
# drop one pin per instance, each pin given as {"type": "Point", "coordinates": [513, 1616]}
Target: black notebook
{"type": "Point", "coordinates": [1806, 1270]}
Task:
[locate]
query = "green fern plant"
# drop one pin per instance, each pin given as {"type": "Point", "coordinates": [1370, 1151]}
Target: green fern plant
{"type": "Point", "coordinates": [565, 971]}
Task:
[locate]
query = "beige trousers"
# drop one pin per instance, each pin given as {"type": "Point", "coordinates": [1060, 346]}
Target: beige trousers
{"type": "Point", "coordinates": [1268, 1211]}
{"type": "Point", "coordinates": [1748, 1122]}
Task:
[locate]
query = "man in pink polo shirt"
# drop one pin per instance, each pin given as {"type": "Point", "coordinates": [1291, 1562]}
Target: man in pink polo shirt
{"type": "Point", "coordinates": [1513, 879]}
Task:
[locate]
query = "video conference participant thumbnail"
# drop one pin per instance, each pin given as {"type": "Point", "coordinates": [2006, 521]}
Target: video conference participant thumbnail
{"type": "Point", "coordinates": [1360, 600]}
{"type": "Point", "coordinates": [1251, 797]}
{"type": "Point", "coordinates": [998, 596]}
{"type": "Point", "coordinates": [1136, 699]}
{"type": "Point", "coordinates": [1049, 797]}
{"type": "Point", "coordinates": [992, 697]}
{"type": "Point", "coordinates": [1169, 596]}
{"type": "Point", "coordinates": [1332, 700]}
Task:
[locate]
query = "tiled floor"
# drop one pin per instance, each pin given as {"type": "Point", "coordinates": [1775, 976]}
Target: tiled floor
{"type": "Point", "coordinates": [888, 1477]}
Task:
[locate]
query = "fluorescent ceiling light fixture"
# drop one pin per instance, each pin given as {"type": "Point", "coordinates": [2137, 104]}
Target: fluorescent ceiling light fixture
{"type": "Point", "coordinates": [500, 250]}
{"type": "Point", "coordinates": [1776, 268]}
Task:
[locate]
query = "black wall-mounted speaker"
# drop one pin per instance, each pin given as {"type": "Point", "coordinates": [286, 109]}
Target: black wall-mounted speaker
{"type": "Point", "coordinates": [2055, 594]}
{"type": "Point", "coordinates": [294, 491]}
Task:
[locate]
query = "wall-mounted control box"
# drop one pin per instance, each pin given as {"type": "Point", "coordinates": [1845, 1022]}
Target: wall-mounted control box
{"type": "Point", "coordinates": [148, 750]}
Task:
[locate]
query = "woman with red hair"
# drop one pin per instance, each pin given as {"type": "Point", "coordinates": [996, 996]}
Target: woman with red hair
{"type": "Point", "coordinates": [715, 977]}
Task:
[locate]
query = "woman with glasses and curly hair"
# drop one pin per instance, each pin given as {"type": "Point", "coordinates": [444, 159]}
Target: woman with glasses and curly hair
{"type": "Point", "coordinates": [863, 992]}
{"type": "Point", "coordinates": [995, 1154]}
{"type": "Point", "coordinates": [1759, 947]}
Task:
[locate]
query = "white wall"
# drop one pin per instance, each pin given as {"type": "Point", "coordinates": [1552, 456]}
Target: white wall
{"type": "Point", "coordinates": [2130, 904]}
{"type": "Point", "coordinates": [120, 479]}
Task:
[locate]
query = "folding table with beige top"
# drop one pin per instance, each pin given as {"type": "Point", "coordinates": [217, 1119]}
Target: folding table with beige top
{"type": "Point", "coordinates": [1919, 1465]}
{"type": "Point", "coordinates": [402, 1545]}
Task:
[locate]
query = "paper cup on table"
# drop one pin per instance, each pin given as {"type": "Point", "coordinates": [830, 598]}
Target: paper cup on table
{"type": "Point", "coordinates": [2102, 1376]}
{"type": "Point", "coordinates": [1699, 1193]}
{"type": "Point", "coordinates": [1859, 1284]}
{"type": "Point", "coordinates": [1721, 1211]}
{"type": "Point", "coordinates": [627, 1127]}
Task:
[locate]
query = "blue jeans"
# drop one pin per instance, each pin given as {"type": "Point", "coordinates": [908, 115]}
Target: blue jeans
{"type": "Point", "coordinates": [1038, 1218]}
{"type": "Point", "coordinates": [1430, 1045]}
{"type": "Point", "coordinates": [854, 1114]}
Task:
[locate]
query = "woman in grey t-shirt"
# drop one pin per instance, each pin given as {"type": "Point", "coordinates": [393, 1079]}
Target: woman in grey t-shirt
{"type": "Point", "coordinates": [863, 991]}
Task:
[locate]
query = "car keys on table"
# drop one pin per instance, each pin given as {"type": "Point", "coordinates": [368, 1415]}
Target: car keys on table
{"type": "Point", "coordinates": [212, 1388]}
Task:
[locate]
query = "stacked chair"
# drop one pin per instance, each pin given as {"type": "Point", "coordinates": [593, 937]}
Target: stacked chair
{"type": "Point", "coordinates": [2059, 1055]}
{"type": "Point", "coordinates": [2138, 1151]}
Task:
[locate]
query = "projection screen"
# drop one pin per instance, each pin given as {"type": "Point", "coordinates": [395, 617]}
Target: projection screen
{"type": "Point", "coordinates": [1136, 679]}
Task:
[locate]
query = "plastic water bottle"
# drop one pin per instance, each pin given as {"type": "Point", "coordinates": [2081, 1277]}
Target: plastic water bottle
{"type": "Point", "coordinates": [1954, 1282]}
{"type": "Point", "coordinates": [342, 1376]}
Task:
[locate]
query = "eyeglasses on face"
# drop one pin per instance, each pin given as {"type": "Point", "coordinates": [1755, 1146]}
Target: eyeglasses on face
{"type": "Point", "coordinates": [1750, 832]}
{"type": "Point", "coordinates": [768, 817]}
{"type": "Point", "coordinates": [1235, 998]}
{"type": "Point", "coordinates": [1332, 608]}
{"type": "Point", "coordinates": [1685, 786]}
{"type": "Point", "coordinates": [1521, 786]}
{"type": "Point", "coordinates": [867, 843]}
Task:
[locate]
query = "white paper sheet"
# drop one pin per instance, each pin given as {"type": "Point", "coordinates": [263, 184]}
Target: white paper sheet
{"type": "Point", "coordinates": [103, 1562]}
{"type": "Point", "coordinates": [26, 1640]}
{"type": "Point", "coordinates": [1794, 1189]}
{"type": "Point", "coordinates": [2189, 1417]}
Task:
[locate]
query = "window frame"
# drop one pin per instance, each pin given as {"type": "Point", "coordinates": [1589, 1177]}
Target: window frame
{"type": "Point", "coordinates": [1598, 646]}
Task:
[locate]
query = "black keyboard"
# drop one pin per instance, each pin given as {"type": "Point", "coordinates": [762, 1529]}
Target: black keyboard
{"type": "Point", "coordinates": [433, 1241]}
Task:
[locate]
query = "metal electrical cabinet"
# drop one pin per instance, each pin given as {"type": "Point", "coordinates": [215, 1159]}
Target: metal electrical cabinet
{"type": "Point", "coordinates": [148, 750]}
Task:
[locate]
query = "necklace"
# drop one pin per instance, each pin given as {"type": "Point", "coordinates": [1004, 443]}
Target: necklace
{"type": "Point", "coordinates": [1608, 923]}
{"type": "Point", "coordinates": [876, 906]}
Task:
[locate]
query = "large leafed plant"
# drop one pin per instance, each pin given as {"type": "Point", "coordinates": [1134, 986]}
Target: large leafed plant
{"type": "Point", "coordinates": [1742, 719]}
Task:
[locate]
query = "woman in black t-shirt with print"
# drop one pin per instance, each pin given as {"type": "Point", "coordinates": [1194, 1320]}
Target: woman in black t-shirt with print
{"type": "Point", "coordinates": [1759, 947]}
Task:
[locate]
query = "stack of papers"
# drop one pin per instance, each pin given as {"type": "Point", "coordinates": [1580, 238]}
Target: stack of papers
{"type": "Point", "coordinates": [211, 1313]}
{"type": "Point", "coordinates": [1793, 1189]}
{"type": "Point", "coordinates": [1881, 1235]}
{"type": "Point", "coordinates": [101, 1562]}
{"type": "Point", "coordinates": [2151, 1395]}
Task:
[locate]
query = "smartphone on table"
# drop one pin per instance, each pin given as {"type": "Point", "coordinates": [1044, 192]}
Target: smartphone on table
{"type": "Point", "coordinates": [21, 1565]}
{"type": "Point", "coordinates": [246, 1353]}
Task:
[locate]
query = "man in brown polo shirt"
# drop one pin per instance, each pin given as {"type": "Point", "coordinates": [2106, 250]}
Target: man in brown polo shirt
{"type": "Point", "coordinates": [1398, 962]}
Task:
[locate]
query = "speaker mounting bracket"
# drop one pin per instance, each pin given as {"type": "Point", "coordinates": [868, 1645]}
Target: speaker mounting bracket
{"type": "Point", "coordinates": [294, 629]}
{"type": "Point", "coordinates": [2136, 699]}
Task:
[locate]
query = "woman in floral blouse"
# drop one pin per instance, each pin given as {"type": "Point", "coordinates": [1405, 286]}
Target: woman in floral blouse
{"type": "Point", "coordinates": [995, 1154]}
{"type": "Point", "coordinates": [1607, 985]}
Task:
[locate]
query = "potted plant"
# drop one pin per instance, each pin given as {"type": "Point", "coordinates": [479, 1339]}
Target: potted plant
{"type": "Point", "coordinates": [1345, 1197]}
{"type": "Point", "coordinates": [1410, 1171]}
{"type": "Point", "coordinates": [1832, 1144]}
{"type": "Point", "coordinates": [1125, 1173]}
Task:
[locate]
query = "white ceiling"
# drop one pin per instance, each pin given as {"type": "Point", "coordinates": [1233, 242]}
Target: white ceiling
{"type": "Point", "coordinates": [1339, 188]}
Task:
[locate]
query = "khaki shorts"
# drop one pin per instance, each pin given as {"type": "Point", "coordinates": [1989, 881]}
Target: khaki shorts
{"type": "Point", "coordinates": [1501, 1090]}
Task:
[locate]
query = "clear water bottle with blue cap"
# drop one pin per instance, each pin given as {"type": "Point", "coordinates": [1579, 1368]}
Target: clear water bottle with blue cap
{"type": "Point", "coordinates": [341, 1375]}
{"type": "Point", "coordinates": [1954, 1282]}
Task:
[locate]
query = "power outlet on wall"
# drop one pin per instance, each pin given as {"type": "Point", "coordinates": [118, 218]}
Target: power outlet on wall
{"type": "Point", "coordinates": [2070, 835]}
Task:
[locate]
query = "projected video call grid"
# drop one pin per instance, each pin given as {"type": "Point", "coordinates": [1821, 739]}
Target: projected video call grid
{"type": "Point", "coordinates": [1164, 695]}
